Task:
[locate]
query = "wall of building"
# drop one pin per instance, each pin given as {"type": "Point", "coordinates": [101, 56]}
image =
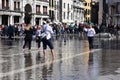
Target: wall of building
{"type": "Point", "coordinates": [67, 12]}
{"type": "Point", "coordinates": [87, 11]}
{"type": "Point", "coordinates": [78, 11]}
{"type": "Point", "coordinates": [114, 12]}
{"type": "Point", "coordinates": [11, 15]}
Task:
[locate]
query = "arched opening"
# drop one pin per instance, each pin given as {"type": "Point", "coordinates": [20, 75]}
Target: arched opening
{"type": "Point", "coordinates": [28, 14]}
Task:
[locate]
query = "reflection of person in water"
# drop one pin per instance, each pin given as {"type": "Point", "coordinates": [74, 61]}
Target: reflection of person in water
{"type": "Point", "coordinates": [90, 57]}
{"type": "Point", "coordinates": [28, 60]}
{"type": "Point", "coordinates": [47, 71]}
{"type": "Point", "coordinates": [27, 63]}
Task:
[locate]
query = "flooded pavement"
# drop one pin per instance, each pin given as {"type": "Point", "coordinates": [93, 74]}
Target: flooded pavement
{"type": "Point", "coordinates": [73, 60]}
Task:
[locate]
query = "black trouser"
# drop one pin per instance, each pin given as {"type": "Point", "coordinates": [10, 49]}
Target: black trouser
{"type": "Point", "coordinates": [27, 42]}
{"type": "Point", "coordinates": [39, 42]}
{"type": "Point", "coordinates": [90, 40]}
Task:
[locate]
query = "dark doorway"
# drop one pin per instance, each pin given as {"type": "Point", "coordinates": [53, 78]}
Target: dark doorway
{"type": "Point", "coordinates": [5, 19]}
{"type": "Point", "coordinates": [28, 14]}
{"type": "Point", "coordinates": [16, 19]}
{"type": "Point", "coordinates": [37, 21]}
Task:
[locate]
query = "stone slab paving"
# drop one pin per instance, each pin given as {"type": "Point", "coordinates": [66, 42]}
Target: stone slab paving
{"type": "Point", "coordinates": [73, 61]}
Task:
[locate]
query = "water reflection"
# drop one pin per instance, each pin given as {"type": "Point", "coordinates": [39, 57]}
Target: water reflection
{"type": "Point", "coordinates": [35, 68]}
{"type": "Point", "coordinates": [47, 71]}
{"type": "Point", "coordinates": [91, 57]}
{"type": "Point", "coordinates": [38, 57]}
{"type": "Point", "coordinates": [28, 60]}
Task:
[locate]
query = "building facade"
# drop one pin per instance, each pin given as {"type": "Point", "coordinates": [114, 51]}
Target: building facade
{"type": "Point", "coordinates": [114, 12]}
{"type": "Point", "coordinates": [36, 11]}
{"type": "Point", "coordinates": [23, 11]}
{"type": "Point", "coordinates": [109, 12]}
{"type": "Point", "coordinates": [94, 12]}
{"type": "Point", "coordinates": [87, 11]}
{"type": "Point", "coordinates": [57, 11]}
{"type": "Point", "coordinates": [51, 10]}
{"type": "Point", "coordinates": [66, 11]}
{"type": "Point", "coordinates": [78, 11]}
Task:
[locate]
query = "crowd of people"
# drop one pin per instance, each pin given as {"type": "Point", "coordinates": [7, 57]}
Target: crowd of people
{"type": "Point", "coordinates": [43, 33]}
{"type": "Point", "coordinates": [11, 30]}
{"type": "Point", "coordinates": [58, 28]}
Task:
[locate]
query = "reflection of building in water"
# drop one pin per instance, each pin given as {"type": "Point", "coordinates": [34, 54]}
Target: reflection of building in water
{"type": "Point", "coordinates": [13, 63]}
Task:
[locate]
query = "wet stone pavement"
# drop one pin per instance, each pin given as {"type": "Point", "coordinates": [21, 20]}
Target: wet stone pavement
{"type": "Point", "coordinates": [73, 60]}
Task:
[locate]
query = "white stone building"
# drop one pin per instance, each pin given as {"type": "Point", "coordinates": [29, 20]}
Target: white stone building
{"type": "Point", "coordinates": [66, 11]}
{"type": "Point", "coordinates": [57, 11]}
{"type": "Point", "coordinates": [78, 11]}
{"type": "Point", "coordinates": [20, 11]}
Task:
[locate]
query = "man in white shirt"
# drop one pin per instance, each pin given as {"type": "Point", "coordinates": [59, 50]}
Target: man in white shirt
{"type": "Point", "coordinates": [47, 29]}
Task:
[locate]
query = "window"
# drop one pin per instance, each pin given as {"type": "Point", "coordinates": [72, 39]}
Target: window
{"type": "Point", "coordinates": [64, 5]}
{"type": "Point", "coordinates": [44, 9]}
{"type": "Point", "coordinates": [37, 8]}
{"type": "Point", "coordinates": [5, 4]}
{"type": "Point", "coordinates": [68, 7]}
{"type": "Point", "coordinates": [64, 15]}
{"type": "Point", "coordinates": [85, 4]}
{"type": "Point", "coordinates": [67, 15]}
{"type": "Point", "coordinates": [14, 5]}
{"type": "Point", "coordinates": [71, 7]}
{"type": "Point", "coordinates": [18, 5]}
{"type": "Point", "coordinates": [71, 16]}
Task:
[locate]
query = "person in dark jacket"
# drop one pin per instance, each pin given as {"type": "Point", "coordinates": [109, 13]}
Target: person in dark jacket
{"type": "Point", "coordinates": [28, 36]}
{"type": "Point", "coordinates": [10, 31]}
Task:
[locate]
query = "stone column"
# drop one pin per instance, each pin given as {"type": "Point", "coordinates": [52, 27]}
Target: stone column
{"type": "Point", "coordinates": [5, 3]}
{"type": "Point", "coordinates": [22, 18]}
{"type": "Point", "coordinates": [11, 5]}
{"type": "Point", "coordinates": [1, 4]}
{"type": "Point", "coordinates": [41, 21]}
{"type": "Point", "coordinates": [11, 19]}
{"type": "Point", "coordinates": [33, 20]}
{"type": "Point", "coordinates": [0, 19]}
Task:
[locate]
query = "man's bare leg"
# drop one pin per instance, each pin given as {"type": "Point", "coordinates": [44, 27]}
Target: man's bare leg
{"type": "Point", "coordinates": [52, 52]}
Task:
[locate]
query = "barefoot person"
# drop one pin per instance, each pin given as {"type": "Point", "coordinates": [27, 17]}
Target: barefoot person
{"type": "Point", "coordinates": [47, 29]}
